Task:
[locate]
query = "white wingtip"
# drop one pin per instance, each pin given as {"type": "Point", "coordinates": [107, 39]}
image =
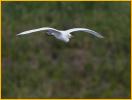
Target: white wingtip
{"type": "Point", "coordinates": [21, 33]}
{"type": "Point", "coordinates": [101, 36]}
{"type": "Point", "coordinates": [18, 34]}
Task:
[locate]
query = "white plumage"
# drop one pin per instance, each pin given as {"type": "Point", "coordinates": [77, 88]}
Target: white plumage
{"type": "Point", "coordinates": [60, 34]}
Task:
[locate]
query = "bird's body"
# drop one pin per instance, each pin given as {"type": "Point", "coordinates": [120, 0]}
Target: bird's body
{"type": "Point", "coordinates": [64, 36]}
{"type": "Point", "coordinates": [60, 34]}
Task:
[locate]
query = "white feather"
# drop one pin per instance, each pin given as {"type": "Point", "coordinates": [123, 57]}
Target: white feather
{"type": "Point", "coordinates": [62, 35]}
{"type": "Point", "coordinates": [85, 30]}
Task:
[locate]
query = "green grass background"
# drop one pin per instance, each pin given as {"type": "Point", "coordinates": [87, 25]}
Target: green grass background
{"type": "Point", "coordinates": [40, 66]}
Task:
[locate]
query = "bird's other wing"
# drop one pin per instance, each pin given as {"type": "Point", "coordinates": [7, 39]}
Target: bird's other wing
{"type": "Point", "coordinates": [85, 30]}
{"type": "Point", "coordinates": [40, 29]}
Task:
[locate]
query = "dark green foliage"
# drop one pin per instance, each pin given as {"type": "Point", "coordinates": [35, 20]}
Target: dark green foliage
{"type": "Point", "coordinates": [40, 66]}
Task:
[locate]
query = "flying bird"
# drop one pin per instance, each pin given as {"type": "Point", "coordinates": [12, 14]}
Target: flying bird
{"type": "Point", "coordinates": [63, 35]}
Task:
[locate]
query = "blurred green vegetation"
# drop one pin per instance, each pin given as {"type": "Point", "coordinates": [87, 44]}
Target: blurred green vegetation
{"type": "Point", "coordinates": [40, 66]}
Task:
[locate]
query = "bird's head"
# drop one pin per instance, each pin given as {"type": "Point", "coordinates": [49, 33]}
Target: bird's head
{"type": "Point", "coordinates": [69, 36]}
{"type": "Point", "coordinates": [66, 40]}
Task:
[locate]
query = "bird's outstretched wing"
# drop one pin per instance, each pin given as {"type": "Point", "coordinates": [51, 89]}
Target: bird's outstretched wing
{"type": "Point", "coordinates": [85, 30]}
{"type": "Point", "coordinates": [40, 29]}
